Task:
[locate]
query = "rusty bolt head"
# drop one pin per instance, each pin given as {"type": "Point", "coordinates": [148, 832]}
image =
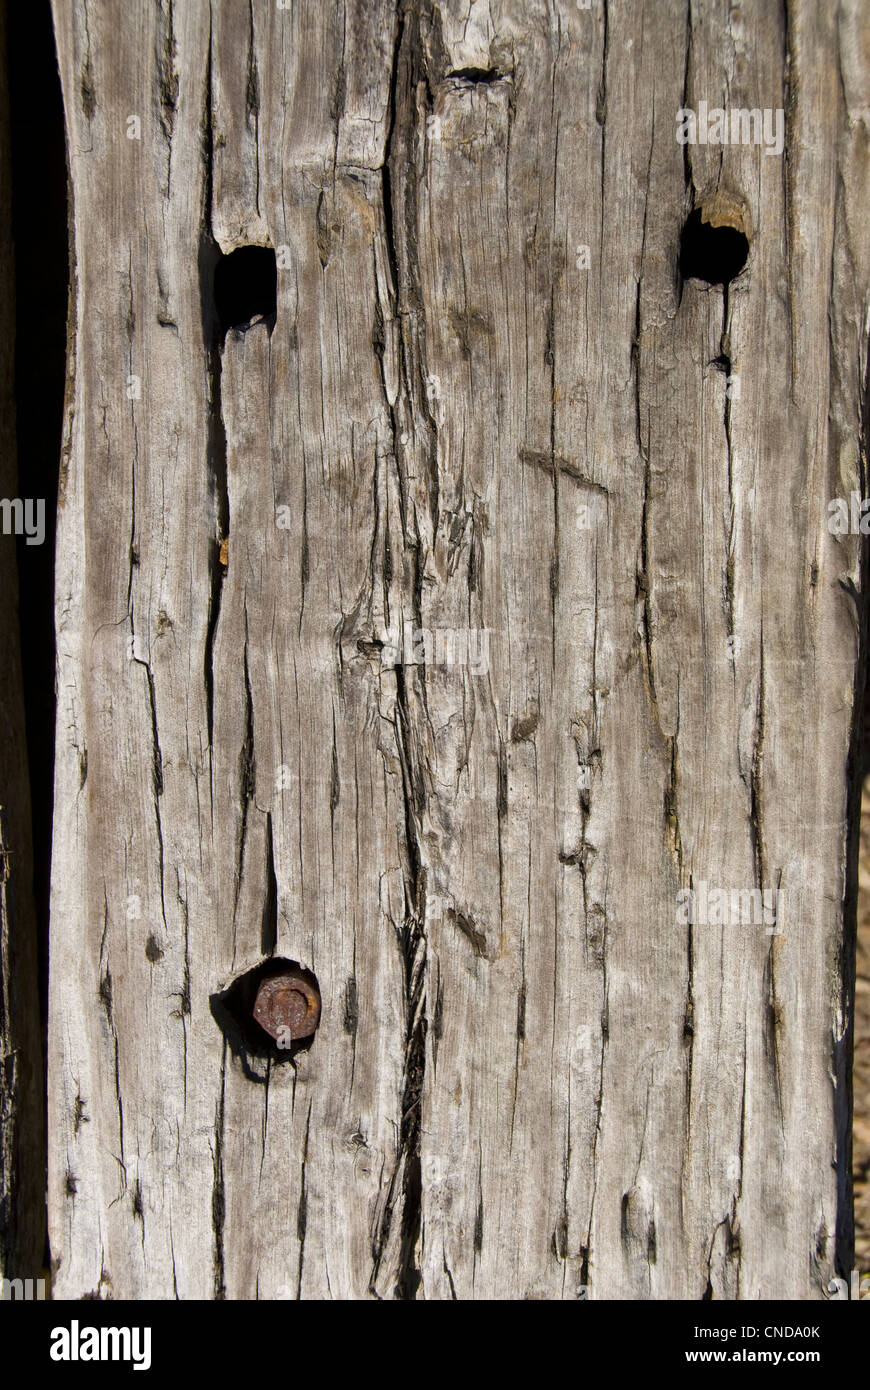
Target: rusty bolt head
{"type": "Point", "coordinates": [287, 1006]}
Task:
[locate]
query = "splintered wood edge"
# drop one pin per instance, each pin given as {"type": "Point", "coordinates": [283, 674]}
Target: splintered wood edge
{"type": "Point", "coordinates": [724, 210]}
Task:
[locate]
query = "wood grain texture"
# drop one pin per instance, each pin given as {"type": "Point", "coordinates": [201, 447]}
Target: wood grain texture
{"type": "Point", "coordinates": [531, 1079]}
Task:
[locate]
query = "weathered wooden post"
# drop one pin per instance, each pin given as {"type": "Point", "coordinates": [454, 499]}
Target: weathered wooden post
{"type": "Point", "coordinates": [466, 628]}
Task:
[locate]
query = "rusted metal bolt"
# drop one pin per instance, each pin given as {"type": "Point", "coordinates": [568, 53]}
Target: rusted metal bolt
{"type": "Point", "coordinates": [287, 1006]}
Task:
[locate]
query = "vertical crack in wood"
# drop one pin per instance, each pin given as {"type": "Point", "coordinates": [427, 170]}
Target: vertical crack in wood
{"type": "Point", "coordinates": [399, 176]}
{"type": "Point", "coordinates": [398, 183]}
{"type": "Point", "coordinates": [156, 780]}
{"type": "Point", "coordinates": [601, 118]}
{"type": "Point", "coordinates": [247, 774]}
{"type": "Point", "coordinates": [106, 1000]}
{"type": "Point", "coordinates": [87, 90]}
{"type": "Point", "coordinates": [218, 1200]}
{"type": "Point", "coordinates": [644, 581]}
{"type": "Point", "coordinates": [788, 177]}
{"type": "Point", "coordinates": [414, 955]}
{"type": "Point", "coordinates": [756, 807]}
{"type": "Point", "coordinates": [217, 439]}
{"type": "Point", "coordinates": [550, 358]}
{"type": "Point", "coordinates": [302, 1208]}
{"type": "Point", "coordinates": [252, 103]}
{"type": "Point", "coordinates": [269, 927]}
{"type": "Point", "coordinates": [167, 85]}
{"type": "Point", "coordinates": [217, 467]}
{"type": "Point", "coordinates": [687, 157]}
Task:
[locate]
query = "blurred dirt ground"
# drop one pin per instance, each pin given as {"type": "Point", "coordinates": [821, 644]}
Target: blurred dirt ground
{"type": "Point", "coordinates": [861, 1076]}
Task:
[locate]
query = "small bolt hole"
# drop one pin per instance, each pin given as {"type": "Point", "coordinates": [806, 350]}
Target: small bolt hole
{"type": "Point", "coordinates": [246, 287]}
{"type": "Point", "coordinates": [715, 254]}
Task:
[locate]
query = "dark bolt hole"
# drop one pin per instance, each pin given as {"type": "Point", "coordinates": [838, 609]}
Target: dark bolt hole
{"type": "Point", "coordinates": [233, 1011]}
{"type": "Point", "coordinates": [477, 76]}
{"type": "Point", "coordinates": [246, 287]}
{"type": "Point", "coordinates": [714, 254]}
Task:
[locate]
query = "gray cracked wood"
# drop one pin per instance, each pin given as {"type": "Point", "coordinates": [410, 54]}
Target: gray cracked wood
{"type": "Point", "coordinates": [488, 405]}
